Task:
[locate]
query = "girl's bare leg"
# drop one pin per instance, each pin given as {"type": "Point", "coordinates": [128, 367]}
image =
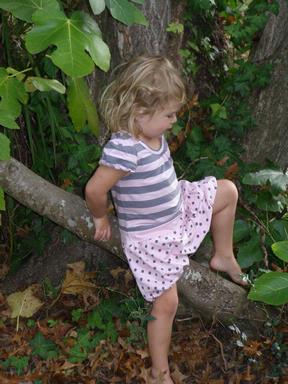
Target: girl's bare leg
{"type": "Point", "coordinates": [222, 231]}
{"type": "Point", "coordinates": [159, 334]}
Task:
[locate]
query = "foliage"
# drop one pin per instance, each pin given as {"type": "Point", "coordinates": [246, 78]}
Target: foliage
{"type": "Point", "coordinates": [18, 363]}
{"type": "Point", "coordinates": [271, 288]}
{"type": "Point", "coordinates": [219, 37]}
{"type": "Point", "coordinates": [61, 45]}
{"type": "Point", "coordinates": [42, 347]}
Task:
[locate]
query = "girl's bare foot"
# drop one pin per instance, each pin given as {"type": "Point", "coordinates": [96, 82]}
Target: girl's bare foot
{"type": "Point", "coordinates": [160, 377]}
{"type": "Point", "coordinates": [229, 265]}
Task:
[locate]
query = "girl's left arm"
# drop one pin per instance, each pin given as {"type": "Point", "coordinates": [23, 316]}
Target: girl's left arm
{"type": "Point", "coordinates": [96, 192]}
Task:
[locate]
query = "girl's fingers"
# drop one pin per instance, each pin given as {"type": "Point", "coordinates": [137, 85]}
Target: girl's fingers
{"type": "Point", "coordinates": [102, 235]}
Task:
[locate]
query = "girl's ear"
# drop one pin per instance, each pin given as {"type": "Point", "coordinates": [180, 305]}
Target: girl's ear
{"type": "Point", "coordinates": [140, 114]}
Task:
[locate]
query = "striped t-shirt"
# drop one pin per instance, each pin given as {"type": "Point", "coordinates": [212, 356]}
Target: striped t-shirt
{"type": "Point", "coordinates": [149, 195]}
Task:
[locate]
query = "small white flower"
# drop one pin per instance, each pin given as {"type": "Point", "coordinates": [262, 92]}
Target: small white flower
{"type": "Point", "coordinates": [235, 329]}
{"type": "Point", "coordinates": [243, 336]}
{"type": "Point", "coordinates": [239, 343]}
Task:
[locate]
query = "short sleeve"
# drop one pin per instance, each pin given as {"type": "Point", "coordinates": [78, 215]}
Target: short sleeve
{"type": "Point", "coordinates": [120, 154]}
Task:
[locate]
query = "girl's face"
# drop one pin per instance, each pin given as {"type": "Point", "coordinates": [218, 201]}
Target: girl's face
{"type": "Point", "coordinates": [155, 125]}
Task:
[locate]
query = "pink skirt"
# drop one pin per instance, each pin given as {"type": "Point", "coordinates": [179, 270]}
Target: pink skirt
{"type": "Point", "coordinates": [157, 256]}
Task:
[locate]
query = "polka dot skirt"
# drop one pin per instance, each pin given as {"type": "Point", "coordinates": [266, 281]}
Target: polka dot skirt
{"type": "Point", "coordinates": [157, 256]}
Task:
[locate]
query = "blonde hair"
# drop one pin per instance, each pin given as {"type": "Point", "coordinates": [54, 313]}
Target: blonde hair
{"type": "Point", "coordinates": [143, 85]}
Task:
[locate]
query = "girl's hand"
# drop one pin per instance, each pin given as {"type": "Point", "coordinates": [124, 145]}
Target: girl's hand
{"type": "Point", "coordinates": [103, 229]}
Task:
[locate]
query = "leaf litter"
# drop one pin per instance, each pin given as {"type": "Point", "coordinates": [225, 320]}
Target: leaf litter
{"type": "Point", "coordinates": [93, 334]}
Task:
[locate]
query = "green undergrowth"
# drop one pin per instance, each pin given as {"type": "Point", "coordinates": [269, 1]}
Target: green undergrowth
{"type": "Point", "coordinates": [69, 343]}
{"type": "Point", "coordinates": [219, 37]}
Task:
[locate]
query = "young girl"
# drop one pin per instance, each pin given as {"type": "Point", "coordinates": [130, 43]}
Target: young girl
{"type": "Point", "coordinates": [162, 220]}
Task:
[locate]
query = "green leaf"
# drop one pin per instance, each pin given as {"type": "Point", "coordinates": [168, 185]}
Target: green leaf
{"type": "Point", "coordinates": [4, 147]}
{"type": "Point", "coordinates": [77, 314]}
{"type": "Point", "coordinates": [276, 178]}
{"type": "Point", "coordinates": [44, 85]}
{"type": "Point", "coordinates": [18, 363]}
{"type": "Point", "coordinates": [24, 9]}
{"type": "Point", "coordinates": [81, 107]}
{"type": "Point", "coordinates": [19, 75]}
{"type": "Point", "coordinates": [175, 28]}
{"type": "Point", "coordinates": [280, 249]}
{"type": "Point", "coordinates": [111, 331]}
{"type": "Point", "coordinates": [126, 12]}
{"type": "Point", "coordinates": [218, 111]}
{"type": "Point", "coordinates": [97, 6]}
{"type": "Point", "coordinates": [241, 230]}
{"type": "Point", "coordinates": [77, 354]}
{"type": "Point", "coordinates": [250, 252]}
{"type": "Point", "coordinates": [279, 229]}
{"type": "Point", "coordinates": [42, 347]}
{"type": "Point", "coordinates": [271, 288]}
{"type": "Point", "coordinates": [78, 41]}
{"type": "Point", "coordinates": [95, 320]}
{"type": "Point", "coordinates": [269, 202]}
{"type": "Point", "coordinates": [12, 93]}
{"type": "Point", "coordinates": [2, 201]}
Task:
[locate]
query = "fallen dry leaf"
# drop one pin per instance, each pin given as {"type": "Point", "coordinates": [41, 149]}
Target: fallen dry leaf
{"type": "Point", "coordinates": [252, 348]}
{"type": "Point", "coordinates": [24, 303]}
{"type": "Point", "coordinates": [232, 171]}
{"type": "Point", "coordinates": [77, 280]}
{"type": "Point", "coordinates": [177, 376]}
{"type": "Point", "coordinates": [116, 272]}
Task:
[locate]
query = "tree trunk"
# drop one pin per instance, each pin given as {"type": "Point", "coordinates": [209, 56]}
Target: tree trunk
{"type": "Point", "coordinates": [128, 41]}
{"type": "Point", "coordinates": [208, 293]}
{"type": "Point", "coordinates": [269, 139]}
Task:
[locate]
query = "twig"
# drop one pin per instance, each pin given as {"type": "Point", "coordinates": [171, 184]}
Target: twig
{"type": "Point", "coordinates": [222, 351]}
{"type": "Point", "coordinates": [262, 245]}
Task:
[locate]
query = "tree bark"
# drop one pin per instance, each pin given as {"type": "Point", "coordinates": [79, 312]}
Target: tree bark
{"type": "Point", "coordinates": [208, 293]}
{"type": "Point", "coordinates": [269, 139]}
{"type": "Point", "coordinates": [128, 41]}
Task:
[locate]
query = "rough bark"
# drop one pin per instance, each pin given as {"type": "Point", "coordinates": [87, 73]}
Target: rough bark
{"type": "Point", "coordinates": [269, 139]}
{"type": "Point", "coordinates": [201, 290]}
{"type": "Point", "coordinates": [128, 41]}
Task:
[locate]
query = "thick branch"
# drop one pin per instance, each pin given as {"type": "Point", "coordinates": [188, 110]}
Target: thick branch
{"type": "Point", "coordinates": [201, 290]}
{"type": "Point", "coordinates": [61, 207]}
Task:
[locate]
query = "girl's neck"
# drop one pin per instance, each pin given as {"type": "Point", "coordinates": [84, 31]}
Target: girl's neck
{"type": "Point", "coordinates": [154, 143]}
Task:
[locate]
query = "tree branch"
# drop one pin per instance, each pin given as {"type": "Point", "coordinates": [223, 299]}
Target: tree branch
{"type": "Point", "coordinates": [200, 290]}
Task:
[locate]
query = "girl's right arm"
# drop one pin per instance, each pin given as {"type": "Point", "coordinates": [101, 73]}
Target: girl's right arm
{"type": "Point", "coordinates": [96, 198]}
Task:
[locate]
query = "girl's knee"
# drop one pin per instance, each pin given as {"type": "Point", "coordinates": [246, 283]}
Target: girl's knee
{"type": "Point", "coordinates": [229, 188]}
{"type": "Point", "coordinates": [167, 303]}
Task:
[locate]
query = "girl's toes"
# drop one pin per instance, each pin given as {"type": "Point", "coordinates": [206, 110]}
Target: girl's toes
{"type": "Point", "coordinates": [240, 278]}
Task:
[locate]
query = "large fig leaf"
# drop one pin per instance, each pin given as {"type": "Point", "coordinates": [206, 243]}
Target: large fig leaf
{"type": "Point", "coordinates": [78, 41]}
{"type": "Point", "coordinates": [271, 288]}
{"type": "Point", "coordinates": [4, 147]}
{"type": "Point", "coordinates": [280, 249]}
{"type": "Point", "coordinates": [126, 12]}
{"type": "Point", "coordinates": [12, 93]}
{"type": "Point", "coordinates": [44, 85]}
{"type": "Point", "coordinates": [24, 9]}
{"type": "Point", "coordinates": [81, 107]}
{"type": "Point", "coordinates": [276, 178]}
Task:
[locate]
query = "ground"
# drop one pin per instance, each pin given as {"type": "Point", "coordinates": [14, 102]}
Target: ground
{"type": "Point", "coordinates": [87, 332]}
